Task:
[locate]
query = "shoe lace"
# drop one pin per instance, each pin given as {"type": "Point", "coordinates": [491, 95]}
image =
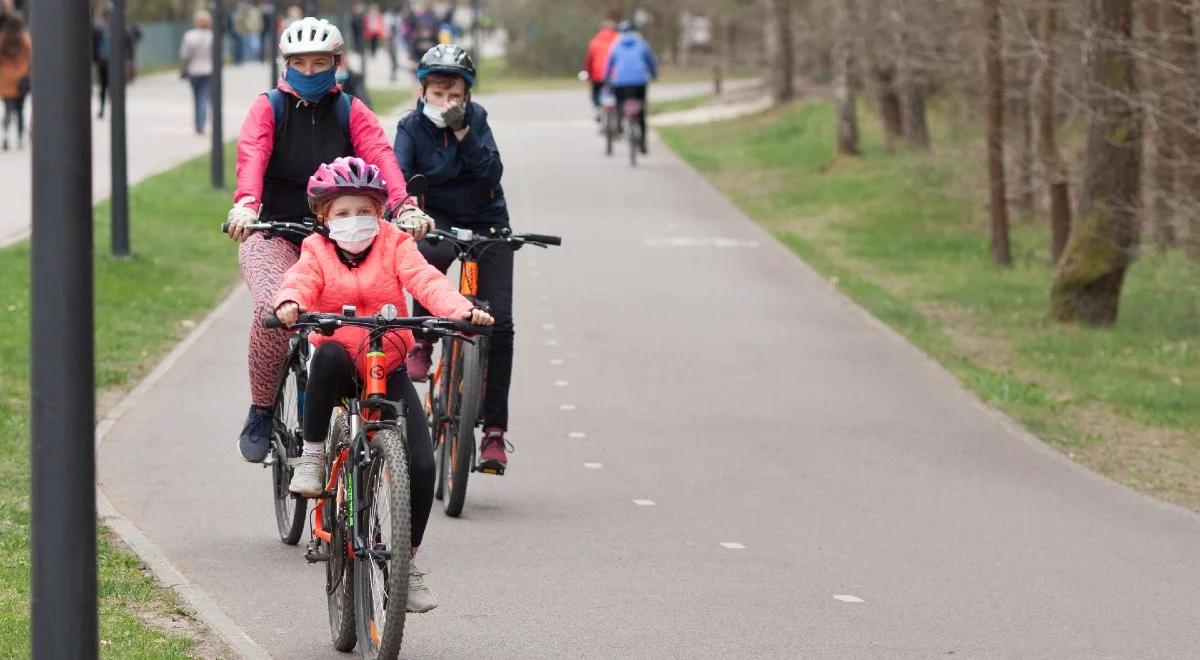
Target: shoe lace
{"type": "Point", "coordinates": [498, 437]}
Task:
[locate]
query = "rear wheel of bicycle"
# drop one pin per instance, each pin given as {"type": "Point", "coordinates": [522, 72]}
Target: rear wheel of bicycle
{"type": "Point", "coordinates": [381, 572]}
{"type": "Point", "coordinates": [610, 130]}
{"type": "Point", "coordinates": [466, 394]}
{"type": "Point", "coordinates": [286, 435]}
{"type": "Point", "coordinates": [635, 142]}
{"type": "Point", "coordinates": [339, 569]}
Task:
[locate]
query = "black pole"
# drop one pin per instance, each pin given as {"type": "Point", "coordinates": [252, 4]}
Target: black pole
{"type": "Point", "coordinates": [116, 89]}
{"type": "Point", "coordinates": [274, 50]}
{"type": "Point", "coordinates": [217, 158]}
{"type": "Point", "coordinates": [362, 48]}
{"type": "Point", "coordinates": [61, 363]}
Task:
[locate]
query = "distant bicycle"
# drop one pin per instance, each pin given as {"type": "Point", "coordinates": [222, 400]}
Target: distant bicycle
{"type": "Point", "coordinates": [632, 109]}
{"type": "Point", "coordinates": [608, 109]}
{"type": "Point", "coordinates": [361, 525]}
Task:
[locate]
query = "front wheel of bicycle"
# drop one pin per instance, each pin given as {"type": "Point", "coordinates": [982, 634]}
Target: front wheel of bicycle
{"type": "Point", "coordinates": [610, 131]}
{"type": "Point", "coordinates": [466, 395]}
{"type": "Point", "coordinates": [339, 568]}
{"type": "Point", "coordinates": [381, 569]}
{"type": "Point", "coordinates": [286, 436]}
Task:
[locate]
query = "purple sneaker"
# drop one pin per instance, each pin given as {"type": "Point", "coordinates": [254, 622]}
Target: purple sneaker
{"type": "Point", "coordinates": [492, 456]}
{"type": "Point", "coordinates": [420, 358]}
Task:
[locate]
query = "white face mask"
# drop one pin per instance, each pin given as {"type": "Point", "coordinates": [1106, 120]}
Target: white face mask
{"type": "Point", "coordinates": [435, 114]}
{"type": "Point", "coordinates": [355, 233]}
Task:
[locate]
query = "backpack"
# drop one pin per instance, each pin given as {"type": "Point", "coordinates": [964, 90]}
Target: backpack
{"type": "Point", "coordinates": [342, 108]}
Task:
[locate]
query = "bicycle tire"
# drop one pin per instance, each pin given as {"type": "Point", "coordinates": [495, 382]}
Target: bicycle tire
{"type": "Point", "coordinates": [339, 568]}
{"type": "Point", "coordinates": [290, 510]}
{"type": "Point", "coordinates": [376, 581]}
{"type": "Point", "coordinates": [634, 140]}
{"type": "Point", "coordinates": [467, 393]}
{"type": "Point", "coordinates": [439, 393]}
{"type": "Point", "coordinates": [609, 132]}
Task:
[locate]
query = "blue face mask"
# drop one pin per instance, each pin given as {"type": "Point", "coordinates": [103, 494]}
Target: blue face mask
{"type": "Point", "coordinates": [343, 75]}
{"type": "Point", "coordinates": [310, 87]}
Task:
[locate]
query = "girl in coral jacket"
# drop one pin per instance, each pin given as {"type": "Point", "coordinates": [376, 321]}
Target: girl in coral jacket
{"type": "Point", "coordinates": [366, 262]}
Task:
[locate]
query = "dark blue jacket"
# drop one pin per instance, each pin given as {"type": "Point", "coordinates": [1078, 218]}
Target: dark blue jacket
{"type": "Point", "coordinates": [464, 177]}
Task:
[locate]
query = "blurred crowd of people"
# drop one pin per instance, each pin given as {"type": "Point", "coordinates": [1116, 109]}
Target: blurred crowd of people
{"type": "Point", "coordinates": [16, 51]}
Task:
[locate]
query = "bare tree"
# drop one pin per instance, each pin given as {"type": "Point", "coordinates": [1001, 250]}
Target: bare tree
{"type": "Point", "coordinates": [1053, 167]}
{"type": "Point", "coordinates": [880, 70]}
{"type": "Point", "coordinates": [910, 75]}
{"type": "Point", "coordinates": [780, 48]}
{"type": "Point", "coordinates": [1087, 286]}
{"type": "Point", "coordinates": [1180, 96]}
{"type": "Point", "coordinates": [843, 78]}
{"type": "Point", "coordinates": [994, 99]}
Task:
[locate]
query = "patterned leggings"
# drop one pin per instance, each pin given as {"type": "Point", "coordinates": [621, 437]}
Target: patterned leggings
{"type": "Point", "coordinates": [263, 262]}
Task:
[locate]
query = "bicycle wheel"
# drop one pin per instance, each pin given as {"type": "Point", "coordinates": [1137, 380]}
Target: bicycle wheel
{"type": "Point", "coordinates": [287, 442]}
{"type": "Point", "coordinates": [466, 394]}
{"type": "Point", "coordinates": [339, 569]}
{"type": "Point", "coordinates": [610, 131]}
{"type": "Point", "coordinates": [635, 133]}
{"type": "Point", "coordinates": [439, 393]}
{"type": "Point", "coordinates": [381, 573]}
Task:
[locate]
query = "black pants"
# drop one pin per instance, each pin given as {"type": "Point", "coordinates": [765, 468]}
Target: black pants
{"type": "Point", "coordinates": [14, 111]}
{"type": "Point", "coordinates": [596, 87]}
{"type": "Point", "coordinates": [632, 92]}
{"type": "Point", "coordinates": [102, 77]}
{"type": "Point", "coordinates": [495, 287]}
{"type": "Point", "coordinates": [331, 378]}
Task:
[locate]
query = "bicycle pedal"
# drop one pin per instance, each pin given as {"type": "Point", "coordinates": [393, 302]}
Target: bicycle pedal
{"type": "Point", "coordinates": [490, 469]}
{"type": "Point", "coordinates": [312, 552]}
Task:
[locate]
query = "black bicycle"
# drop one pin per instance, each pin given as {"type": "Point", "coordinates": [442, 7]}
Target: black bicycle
{"type": "Point", "coordinates": [362, 525]}
{"type": "Point", "coordinates": [455, 401]}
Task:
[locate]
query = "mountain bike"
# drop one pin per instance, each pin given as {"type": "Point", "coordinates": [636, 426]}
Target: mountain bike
{"type": "Point", "coordinates": [454, 403]}
{"type": "Point", "coordinates": [287, 437]}
{"type": "Point", "coordinates": [361, 524]}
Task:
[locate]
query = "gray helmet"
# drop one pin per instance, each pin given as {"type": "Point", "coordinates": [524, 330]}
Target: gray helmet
{"type": "Point", "coordinates": [448, 59]}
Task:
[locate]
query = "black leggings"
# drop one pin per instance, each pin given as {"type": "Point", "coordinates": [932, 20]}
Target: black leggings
{"type": "Point", "coordinates": [14, 111]}
{"type": "Point", "coordinates": [102, 78]}
{"type": "Point", "coordinates": [496, 288]}
{"type": "Point", "coordinates": [331, 378]}
{"type": "Point", "coordinates": [632, 92]}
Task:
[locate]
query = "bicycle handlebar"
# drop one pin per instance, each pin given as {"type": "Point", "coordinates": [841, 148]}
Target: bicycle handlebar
{"type": "Point", "coordinates": [475, 239]}
{"type": "Point", "coordinates": [327, 323]}
{"type": "Point", "coordinates": [297, 227]}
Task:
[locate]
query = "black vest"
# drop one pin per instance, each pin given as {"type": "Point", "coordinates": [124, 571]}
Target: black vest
{"type": "Point", "coordinates": [310, 135]}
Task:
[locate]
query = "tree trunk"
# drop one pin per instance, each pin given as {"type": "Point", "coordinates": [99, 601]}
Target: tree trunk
{"type": "Point", "coordinates": [1162, 159]}
{"type": "Point", "coordinates": [719, 53]}
{"type": "Point", "coordinates": [1022, 111]}
{"type": "Point", "coordinates": [994, 73]}
{"type": "Point", "coordinates": [1183, 122]}
{"type": "Point", "coordinates": [880, 71]}
{"type": "Point", "coordinates": [910, 79]}
{"type": "Point", "coordinates": [1087, 286]}
{"type": "Point", "coordinates": [1054, 169]}
{"type": "Point", "coordinates": [782, 62]}
{"type": "Point", "coordinates": [843, 79]}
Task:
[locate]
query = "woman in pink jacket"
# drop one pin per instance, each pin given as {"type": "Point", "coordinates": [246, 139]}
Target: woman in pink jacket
{"type": "Point", "coordinates": [290, 131]}
{"type": "Point", "coordinates": [366, 262]}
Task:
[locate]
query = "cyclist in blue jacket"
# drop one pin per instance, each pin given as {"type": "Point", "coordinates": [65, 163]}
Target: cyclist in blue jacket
{"type": "Point", "coordinates": [631, 67]}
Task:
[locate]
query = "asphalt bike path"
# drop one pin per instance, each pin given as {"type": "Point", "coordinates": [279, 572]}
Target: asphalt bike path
{"type": "Point", "coordinates": [716, 455]}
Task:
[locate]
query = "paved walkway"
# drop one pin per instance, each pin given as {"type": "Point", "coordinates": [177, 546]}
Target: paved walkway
{"type": "Point", "coordinates": [717, 456]}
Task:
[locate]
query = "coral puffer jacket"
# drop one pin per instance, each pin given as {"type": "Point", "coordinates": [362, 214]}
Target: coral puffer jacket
{"type": "Point", "coordinates": [321, 282]}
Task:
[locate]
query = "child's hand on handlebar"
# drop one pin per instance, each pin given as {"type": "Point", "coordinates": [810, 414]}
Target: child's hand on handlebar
{"type": "Point", "coordinates": [288, 312]}
{"type": "Point", "coordinates": [414, 221]}
{"type": "Point", "coordinates": [239, 216]}
{"type": "Point", "coordinates": [478, 317]}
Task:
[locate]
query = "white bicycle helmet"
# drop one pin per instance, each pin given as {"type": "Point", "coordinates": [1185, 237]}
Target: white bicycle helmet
{"type": "Point", "coordinates": [310, 35]}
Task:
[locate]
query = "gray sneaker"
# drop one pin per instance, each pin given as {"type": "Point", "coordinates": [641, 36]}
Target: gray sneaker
{"type": "Point", "coordinates": [420, 597]}
{"type": "Point", "coordinates": [308, 476]}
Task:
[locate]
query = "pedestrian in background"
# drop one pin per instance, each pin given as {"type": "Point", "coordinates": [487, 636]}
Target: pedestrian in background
{"type": "Point", "coordinates": [195, 51]}
{"type": "Point", "coordinates": [15, 52]}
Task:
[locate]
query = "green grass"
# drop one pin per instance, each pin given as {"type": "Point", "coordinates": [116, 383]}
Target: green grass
{"type": "Point", "coordinates": [905, 236]}
{"type": "Point", "coordinates": [180, 267]}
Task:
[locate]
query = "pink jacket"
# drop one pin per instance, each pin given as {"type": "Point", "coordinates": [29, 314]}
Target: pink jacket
{"type": "Point", "coordinates": [257, 139]}
{"type": "Point", "coordinates": [321, 282]}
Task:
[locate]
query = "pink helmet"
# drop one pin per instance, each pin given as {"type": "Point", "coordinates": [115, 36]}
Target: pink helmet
{"type": "Point", "coordinates": [347, 175]}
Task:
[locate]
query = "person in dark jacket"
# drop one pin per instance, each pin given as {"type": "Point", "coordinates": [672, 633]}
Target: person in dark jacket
{"type": "Point", "coordinates": [449, 141]}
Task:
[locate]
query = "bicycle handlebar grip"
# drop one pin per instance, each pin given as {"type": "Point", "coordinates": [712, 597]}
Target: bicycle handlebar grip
{"type": "Point", "coordinates": [466, 327]}
{"type": "Point", "coordinates": [225, 227]}
{"type": "Point", "coordinates": [544, 238]}
{"type": "Point", "coordinates": [270, 321]}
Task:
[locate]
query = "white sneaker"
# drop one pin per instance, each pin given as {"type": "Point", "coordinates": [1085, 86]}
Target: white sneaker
{"type": "Point", "coordinates": [308, 478]}
{"type": "Point", "coordinates": [420, 597]}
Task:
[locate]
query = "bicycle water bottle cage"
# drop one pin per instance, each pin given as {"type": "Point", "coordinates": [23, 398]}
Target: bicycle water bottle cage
{"type": "Point", "coordinates": [349, 310]}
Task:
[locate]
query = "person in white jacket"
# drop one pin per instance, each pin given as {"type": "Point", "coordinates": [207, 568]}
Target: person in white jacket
{"type": "Point", "coordinates": [195, 51]}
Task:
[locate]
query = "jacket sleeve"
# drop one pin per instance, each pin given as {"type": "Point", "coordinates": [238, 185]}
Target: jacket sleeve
{"type": "Point", "coordinates": [370, 143]}
{"type": "Point", "coordinates": [479, 152]}
{"type": "Point", "coordinates": [304, 282]}
{"type": "Point", "coordinates": [185, 50]}
{"type": "Point", "coordinates": [405, 150]}
{"type": "Point", "coordinates": [255, 143]}
{"type": "Point", "coordinates": [427, 284]}
{"type": "Point", "coordinates": [651, 64]}
{"type": "Point", "coordinates": [612, 63]}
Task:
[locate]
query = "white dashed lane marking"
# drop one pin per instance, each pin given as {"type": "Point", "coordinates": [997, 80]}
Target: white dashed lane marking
{"type": "Point", "coordinates": [847, 598]}
{"type": "Point", "coordinates": [644, 502]}
{"type": "Point", "coordinates": [566, 406]}
{"type": "Point", "coordinates": [577, 435]}
{"type": "Point", "coordinates": [593, 466]}
{"type": "Point", "coordinates": [557, 362]}
{"type": "Point", "coordinates": [548, 326]}
{"type": "Point", "coordinates": [732, 546]}
{"type": "Point", "coordinates": [552, 342]}
{"type": "Point", "coordinates": [561, 383]}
